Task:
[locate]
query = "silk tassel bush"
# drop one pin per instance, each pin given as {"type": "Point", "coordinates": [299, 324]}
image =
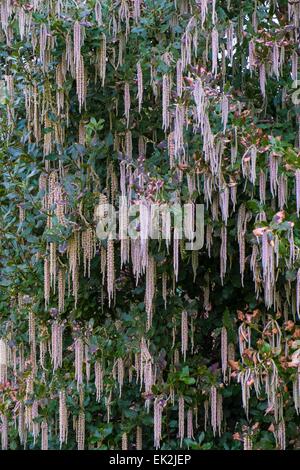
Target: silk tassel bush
{"type": "Point", "coordinates": [124, 111]}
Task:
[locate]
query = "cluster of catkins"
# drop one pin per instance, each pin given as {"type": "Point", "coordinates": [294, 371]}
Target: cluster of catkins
{"type": "Point", "coordinates": [191, 100]}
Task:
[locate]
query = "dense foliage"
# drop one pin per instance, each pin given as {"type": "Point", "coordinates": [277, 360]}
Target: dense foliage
{"type": "Point", "coordinates": [111, 344]}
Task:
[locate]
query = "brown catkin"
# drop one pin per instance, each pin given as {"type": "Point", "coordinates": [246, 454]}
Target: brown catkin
{"type": "Point", "coordinates": [124, 441]}
{"type": "Point", "coordinates": [139, 438]}
{"type": "Point", "coordinates": [190, 429]}
{"type": "Point", "coordinates": [80, 428]}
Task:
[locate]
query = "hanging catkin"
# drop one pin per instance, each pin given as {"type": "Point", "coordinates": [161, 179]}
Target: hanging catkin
{"type": "Point", "coordinates": [262, 187]}
{"type": "Point", "coordinates": [98, 380]}
{"type": "Point", "coordinates": [179, 78]}
{"type": "Point", "coordinates": [215, 50]}
{"type": "Point", "coordinates": [61, 290]}
{"type": "Point", "coordinates": [241, 232]}
{"type": "Point", "coordinates": [190, 429]}
{"type": "Point", "coordinates": [176, 253]}
{"type": "Point", "coordinates": [219, 412]}
{"type": "Point", "coordinates": [150, 289]}
{"type": "Point", "coordinates": [164, 288]}
{"type": "Point", "coordinates": [127, 102]}
{"type": "Point", "coordinates": [165, 102]}
{"type": "Point", "coordinates": [80, 82]}
{"type": "Point", "coordinates": [80, 430]}
{"type": "Point", "coordinates": [120, 369]}
{"type": "Point", "coordinates": [79, 353]}
{"type": "Point", "coordinates": [213, 407]}
{"type": "Point", "coordinates": [140, 85]}
{"type": "Point", "coordinates": [57, 329]}
{"type": "Point", "coordinates": [158, 409]}
{"type": "Point", "coordinates": [124, 441]}
{"type": "Point", "coordinates": [137, 10]}
{"type": "Point", "coordinates": [181, 419]}
{"type": "Point", "coordinates": [98, 12]}
{"type": "Point", "coordinates": [44, 437]}
{"type": "Point", "coordinates": [184, 334]}
{"type": "Point", "coordinates": [139, 438]}
{"type": "Point", "coordinates": [3, 362]}
{"type": "Point", "coordinates": [32, 340]}
{"type": "Point", "coordinates": [224, 350]}
{"type": "Point", "coordinates": [298, 293]}
{"type": "Point", "coordinates": [63, 418]}
{"type": "Point", "coordinates": [110, 269]}
{"type": "Point", "coordinates": [225, 110]}
{"type": "Point", "coordinates": [101, 60]}
{"type": "Point", "coordinates": [88, 248]}
{"type": "Point", "coordinates": [297, 190]}
{"type": "Point", "coordinates": [262, 79]}
{"type": "Point", "coordinates": [4, 432]}
{"type": "Point", "coordinates": [77, 38]}
{"type": "Point", "coordinates": [223, 253]}
{"type": "Point", "coordinates": [35, 422]}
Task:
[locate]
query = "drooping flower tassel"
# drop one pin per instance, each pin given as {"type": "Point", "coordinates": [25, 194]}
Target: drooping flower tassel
{"type": "Point", "coordinates": [223, 253]}
{"type": "Point", "coordinates": [56, 344]}
{"type": "Point", "coordinates": [139, 438]}
{"type": "Point", "coordinates": [4, 432]}
{"type": "Point", "coordinates": [98, 380]}
{"type": "Point", "coordinates": [124, 441]}
{"type": "Point", "coordinates": [79, 353]}
{"type": "Point", "coordinates": [127, 102]}
{"type": "Point", "coordinates": [225, 110]}
{"type": "Point", "coordinates": [298, 293]}
{"type": "Point", "coordinates": [184, 334]}
{"type": "Point", "coordinates": [262, 79]}
{"type": "Point", "coordinates": [166, 102]}
{"type": "Point", "coordinates": [110, 269]}
{"type": "Point", "coordinates": [297, 190]}
{"type": "Point", "coordinates": [181, 419]}
{"type": "Point", "coordinates": [224, 351]}
{"type": "Point", "coordinates": [140, 85]}
{"type": "Point", "coordinates": [215, 50]}
{"type": "Point", "coordinates": [80, 430]}
{"type": "Point", "coordinates": [190, 428]}
{"type": "Point", "coordinates": [44, 437]}
{"type": "Point", "coordinates": [150, 289]}
{"type": "Point", "coordinates": [3, 362]}
{"type": "Point", "coordinates": [63, 418]}
{"type": "Point", "coordinates": [213, 407]}
{"type": "Point", "coordinates": [158, 409]}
